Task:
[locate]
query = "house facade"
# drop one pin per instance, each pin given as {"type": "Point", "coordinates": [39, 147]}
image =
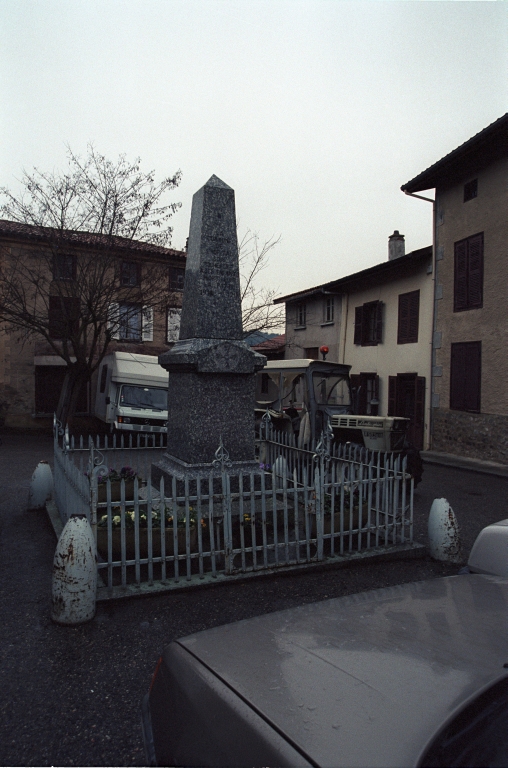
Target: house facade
{"type": "Point", "coordinates": [31, 370]}
{"type": "Point", "coordinates": [469, 415]}
{"type": "Point", "coordinates": [379, 321]}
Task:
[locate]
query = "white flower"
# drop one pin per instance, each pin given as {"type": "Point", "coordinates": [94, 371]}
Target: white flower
{"type": "Point", "coordinates": [117, 519]}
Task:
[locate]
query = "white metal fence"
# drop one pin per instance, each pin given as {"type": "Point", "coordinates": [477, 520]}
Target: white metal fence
{"type": "Point", "coordinates": [299, 507]}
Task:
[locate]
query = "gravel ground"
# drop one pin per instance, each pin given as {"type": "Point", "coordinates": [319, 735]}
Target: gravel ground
{"type": "Point", "coordinates": [70, 695]}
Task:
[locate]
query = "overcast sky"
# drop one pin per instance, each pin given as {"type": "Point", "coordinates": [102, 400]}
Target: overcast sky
{"type": "Point", "coordinates": [314, 111]}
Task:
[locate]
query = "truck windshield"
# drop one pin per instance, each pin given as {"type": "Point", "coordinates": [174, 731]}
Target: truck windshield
{"type": "Point", "coordinates": [330, 389]}
{"type": "Point", "coordinates": [144, 397]}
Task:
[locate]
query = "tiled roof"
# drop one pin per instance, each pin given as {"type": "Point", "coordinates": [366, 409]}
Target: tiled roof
{"type": "Point", "coordinates": [480, 150]}
{"type": "Point", "coordinates": [21, 231]}
{"type": "Point", "coordinates": [386, 270]}
{"type": "Point", "coordinates": [276, 342]}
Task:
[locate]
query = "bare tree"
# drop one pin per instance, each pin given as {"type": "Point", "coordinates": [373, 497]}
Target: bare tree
{"type": "Point", "coordinates": [259, 313]}
{"type": "Point", "coordinates": [97, 235]}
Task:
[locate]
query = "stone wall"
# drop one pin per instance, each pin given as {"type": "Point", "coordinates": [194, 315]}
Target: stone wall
{"type": "Point", "coordinates": [476, 435]}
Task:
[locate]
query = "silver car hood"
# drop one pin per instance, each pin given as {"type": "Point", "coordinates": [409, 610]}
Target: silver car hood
{"type": "Point", "coordinates": [366, 680]}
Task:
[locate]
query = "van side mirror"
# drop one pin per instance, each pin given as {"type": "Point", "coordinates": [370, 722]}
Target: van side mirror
{"type": "Point", "coordinates": [108, 400]}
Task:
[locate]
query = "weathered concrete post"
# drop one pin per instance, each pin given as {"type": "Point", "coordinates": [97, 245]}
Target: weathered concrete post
{"type": "Point", "coordinates": [211, 369]}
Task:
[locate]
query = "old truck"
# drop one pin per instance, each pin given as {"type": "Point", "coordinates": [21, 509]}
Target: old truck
{"type": "Point", "coordinates": [132, 393]}
{"type": "Point", "coordinates": [303, 395]}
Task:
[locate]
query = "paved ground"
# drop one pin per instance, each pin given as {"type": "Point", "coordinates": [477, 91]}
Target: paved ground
{"type": "Point", "coordinates": [70, 696]}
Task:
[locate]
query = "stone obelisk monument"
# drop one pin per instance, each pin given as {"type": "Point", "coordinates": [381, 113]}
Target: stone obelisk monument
{"type": "Point", "coordinates": [211, 369]}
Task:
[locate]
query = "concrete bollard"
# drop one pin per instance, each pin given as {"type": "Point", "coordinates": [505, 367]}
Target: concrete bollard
{"type": "Point", "coordinates": [74, 573]}
{"type": "Point", "coordinates": [444, 534]}
{"type": "Point", "coordinates": [41, 486]}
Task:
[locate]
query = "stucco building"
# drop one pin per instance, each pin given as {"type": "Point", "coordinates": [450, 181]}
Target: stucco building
{"type": "Point", "coordinates": [31, 372]}
{"type": "Point", "coordinates": [379, 321]}
{"type": "Point", "coordinates": [470, 363]}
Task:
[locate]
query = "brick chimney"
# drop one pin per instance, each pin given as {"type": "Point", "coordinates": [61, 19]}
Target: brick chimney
{"type": "Point", "coordinates": [396, 246]}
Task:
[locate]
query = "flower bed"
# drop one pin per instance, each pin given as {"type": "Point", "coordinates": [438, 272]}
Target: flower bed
{"type": "Point", "coordinates": [130, 520]}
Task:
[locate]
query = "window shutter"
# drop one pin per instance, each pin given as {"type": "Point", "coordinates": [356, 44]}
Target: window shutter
{"type": "Point", "coordinates": [378, 338]}
{"type": "Point", "coordinates": [475, 271]}
{"type": "Point", "coordinates": [465, 376]}
{"type": "Point", "coordinates": [392, 395]}
{"type": "Point", "coordinates": [358, 325]}
{"type": "Point", "coordinates": [472, 383]}
{"type": "Point", "coordinates": [147, 324]}
{"type": "Point", "coordinates": [114, 320]}
{"type": "Point", "coordinates": [173, 324]}
{"type": "Point", "coordinates": [403, 318]}
{"type": "Point", "coordinates": [460, 277]}
{"type": "Point", "coordinates": [413, 313]}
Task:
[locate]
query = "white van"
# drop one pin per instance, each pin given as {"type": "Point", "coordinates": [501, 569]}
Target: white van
{"type": "Point", "coordinates": [132, 393]}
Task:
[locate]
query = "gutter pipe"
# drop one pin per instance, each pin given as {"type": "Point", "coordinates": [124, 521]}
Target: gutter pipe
{"type": "Point", "coordinates": [434, 313]}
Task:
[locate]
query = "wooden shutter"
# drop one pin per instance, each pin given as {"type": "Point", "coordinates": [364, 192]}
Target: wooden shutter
{"type": "Point", "coordinates": [475, 271]}
{"type": "Point", "coordinates": [414, 312]}
{"type": "Point", "coordinates": [147, 324]}
{"type": "Point", "coordinates": [403, 318]}
{"type": "Point", "coordinates": [173, 324]}
{"type": "Point", "coordinates": [378, 332]}
{"type": "Point", "coordinates": [465, 376]}
{"type": "Point", "coordinates": [358, 325]}
{"type": "Point", "coordinates": [460, 277]}
{"type": "Point", "coordinates": [392, 395]}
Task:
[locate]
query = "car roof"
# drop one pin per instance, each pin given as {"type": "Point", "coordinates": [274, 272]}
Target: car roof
{"type": "Point", "coordinates": [369, 679]}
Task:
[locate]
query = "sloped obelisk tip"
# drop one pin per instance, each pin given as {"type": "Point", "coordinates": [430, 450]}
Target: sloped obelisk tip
{"type": "Point", "coordinates": [211, 369]}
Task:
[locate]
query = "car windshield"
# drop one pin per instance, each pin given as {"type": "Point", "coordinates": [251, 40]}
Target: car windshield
{"type": "Point", "coordinates": [330, 389]}
{"type": "Point", "coordinates": [144, 397]}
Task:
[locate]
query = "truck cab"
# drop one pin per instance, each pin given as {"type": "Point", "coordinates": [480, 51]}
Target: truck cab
{"type": "Point", "coordinates": [132, 393]}
{"type": "Point", "coordinates": [303, 395]}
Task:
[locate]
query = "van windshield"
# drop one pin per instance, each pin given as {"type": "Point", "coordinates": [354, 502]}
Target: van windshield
{"type": "Point", "coordinates": [144, 397]}
{"type": "Point", "coordinates": [331, 389]}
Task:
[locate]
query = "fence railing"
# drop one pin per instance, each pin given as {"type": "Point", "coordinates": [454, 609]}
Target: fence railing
{"type": "Point", "coordinates": [296, 507]}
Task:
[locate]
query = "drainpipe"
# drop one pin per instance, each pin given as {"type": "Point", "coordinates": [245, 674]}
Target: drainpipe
{"type": "Point", "coordinates": [434, 313]}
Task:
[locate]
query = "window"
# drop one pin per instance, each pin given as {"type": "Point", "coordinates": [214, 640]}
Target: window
{"type": "Point", "coordinates": [63, 316]}
{"type": "Point", "coordinates": [366, 392]}
{"type": "Point", "coordinates": [369, 324]}
{"type": "Point", "coordinates": [173, 324]}
{"type": "Point", "coordinates": [176, 278]}
{"type": "Point", "coordinates": [301, 315]}
{"type": "Point", "coordinates": [129, 320]}
{"type": "Point", "coordinates": [130, 274]}
{"type": "Point", "coordinates": [328, 309]}
{"type": "Point", "coordinates": [311, 353]}
{"type": "Point", "coordinates": [470, 190]}
{"type": "Point", "coordinates": [468, 278]}
{"type": "Point", "coordinates": [409, 309]}
{"type": "Point", "coordinates": [465, 376]}
{"type": "Point", "coordinates": [64, 266]}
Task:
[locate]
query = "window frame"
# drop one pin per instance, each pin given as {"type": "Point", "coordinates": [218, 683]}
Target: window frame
{"type": "Point", "coordinates": [301, 314]}
{"type": "Point", "coordinates": [64, 274]}
{"type": "Point", "coordinates": [470, 190]}
{"type": "Point", "coordinates": [328, 309]}
{"type": "Point", "coordinates": [122, 305]}
{"type": "Point", "coordinates": [135, 266]}
{"type": "Point", "coordinates": [368, 327]}
{"type": "Point", "coordinates": [176, 279]}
